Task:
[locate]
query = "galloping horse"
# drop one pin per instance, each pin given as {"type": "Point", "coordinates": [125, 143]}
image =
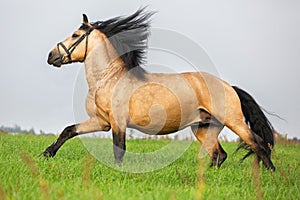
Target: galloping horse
{"type": "Point", "coordinates": [122, 94]}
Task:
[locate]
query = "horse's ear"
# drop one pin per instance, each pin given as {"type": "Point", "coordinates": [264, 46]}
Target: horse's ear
{"type": "Point", "coordinates": [85, 20]}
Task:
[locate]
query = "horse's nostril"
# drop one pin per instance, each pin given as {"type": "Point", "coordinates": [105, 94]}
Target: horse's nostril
{"type": "Point", "coordinates": [50, 55]}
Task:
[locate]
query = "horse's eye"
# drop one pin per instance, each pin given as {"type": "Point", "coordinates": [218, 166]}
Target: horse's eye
{"type": "Point", "coordinates": [75, 35]}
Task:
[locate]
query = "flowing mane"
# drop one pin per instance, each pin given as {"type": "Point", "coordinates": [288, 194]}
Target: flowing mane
{"type": "Point", "coordinates": [129, 36]}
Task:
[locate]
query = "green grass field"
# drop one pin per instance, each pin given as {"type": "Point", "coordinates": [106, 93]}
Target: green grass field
{"type": "Point", "coordinates": [75, 174]}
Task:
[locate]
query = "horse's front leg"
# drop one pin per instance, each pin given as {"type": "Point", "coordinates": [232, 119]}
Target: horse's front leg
{"type": "Point", "coordinates": [69, 132]}
{"type": "Point", "coordinates": [119, 138]}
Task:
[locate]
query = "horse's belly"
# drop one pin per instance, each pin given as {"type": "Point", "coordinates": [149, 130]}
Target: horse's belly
{"type": "Point", "coordinates": [155, 109]}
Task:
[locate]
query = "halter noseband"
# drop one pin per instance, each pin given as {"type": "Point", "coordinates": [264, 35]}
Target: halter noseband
{"type": "Point", "coordinates": [70, 50]}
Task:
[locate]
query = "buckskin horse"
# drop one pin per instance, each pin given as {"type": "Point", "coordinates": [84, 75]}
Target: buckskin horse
{"type": "Point", "coordinates": [122, 94]}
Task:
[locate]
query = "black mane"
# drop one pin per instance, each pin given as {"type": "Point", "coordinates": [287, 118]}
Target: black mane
{"type": "Point", "coordinates": [128, 35]}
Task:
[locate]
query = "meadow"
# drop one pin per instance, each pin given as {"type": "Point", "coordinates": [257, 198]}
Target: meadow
{"type": "Point", "coordinates": [75, 174]}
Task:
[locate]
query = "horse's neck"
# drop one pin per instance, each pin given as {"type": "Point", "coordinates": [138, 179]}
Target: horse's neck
{"type": "Point", "coordinates": [100, 65]}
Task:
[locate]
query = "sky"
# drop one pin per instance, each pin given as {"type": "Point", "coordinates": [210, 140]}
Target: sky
{"type": "Point", "coordinates": [252, 44]}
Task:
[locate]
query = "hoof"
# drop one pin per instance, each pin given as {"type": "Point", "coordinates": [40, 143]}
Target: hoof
{"type": "Point", "coordinates": [268, 164]}
{"type": "Point", "coordinates": [218, 159]}
{"type": "Point", "coordinates": [48, 153]}
{"type": "Point", "coordinates": [118, 162]}
{"type": "Point", "coordinates": [272, 168]}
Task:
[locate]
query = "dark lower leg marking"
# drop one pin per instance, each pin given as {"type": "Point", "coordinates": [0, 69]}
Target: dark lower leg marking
{"type": "Point", "coordinates": [119, 146]}
{"type": "Point", "coordinates": [218, 157]}
{"type": "Point", "coordinates": [263, 152]}
{"type": "Point", "coordinates": [67, 133]}
{"type": "Point", "coordinates": [261, 149]}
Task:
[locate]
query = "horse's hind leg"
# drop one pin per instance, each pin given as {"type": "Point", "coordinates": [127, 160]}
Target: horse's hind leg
{"type": "Point", "coordinates": [207, 135]}
{"type": "Point", "coordinates": [254, 141]}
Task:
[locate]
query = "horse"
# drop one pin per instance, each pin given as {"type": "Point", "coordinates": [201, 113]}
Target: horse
{"type": "Point", "coordinates": [123, 95]}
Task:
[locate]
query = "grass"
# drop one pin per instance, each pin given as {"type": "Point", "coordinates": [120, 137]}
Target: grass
{"type": "Point", "coordinates": [75, 174]}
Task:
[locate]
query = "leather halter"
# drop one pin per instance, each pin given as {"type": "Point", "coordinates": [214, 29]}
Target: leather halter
{"type": "Point", "coordinates": [70, 50]}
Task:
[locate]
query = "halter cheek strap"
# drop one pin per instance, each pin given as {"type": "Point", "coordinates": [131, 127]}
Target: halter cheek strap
{"type": "Point", "coordinates": [70, 50]}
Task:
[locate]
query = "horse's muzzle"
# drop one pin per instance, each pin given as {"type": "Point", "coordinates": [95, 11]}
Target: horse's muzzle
{"type": "Point", "coordinates": [54, 59]}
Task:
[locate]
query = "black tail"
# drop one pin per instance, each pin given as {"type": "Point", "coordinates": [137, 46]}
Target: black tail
{"type": "Point", "coordinates": [257, 121]}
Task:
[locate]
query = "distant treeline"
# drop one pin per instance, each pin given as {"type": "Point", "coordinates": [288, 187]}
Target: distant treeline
{"type": "Point", "coordinates": [279, 138]}
{"type": "Point", "coordinates": [16, 129]}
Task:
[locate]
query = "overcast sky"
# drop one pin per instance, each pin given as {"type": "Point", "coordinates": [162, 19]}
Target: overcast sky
{"type": "Point", "coordinates": [253, 44]}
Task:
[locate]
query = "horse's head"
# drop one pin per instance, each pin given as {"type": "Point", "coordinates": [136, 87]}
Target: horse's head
{"type": "Point", "coordinates": [74, 48]}
{"type": "Point", "coordinates": [120, 38]}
